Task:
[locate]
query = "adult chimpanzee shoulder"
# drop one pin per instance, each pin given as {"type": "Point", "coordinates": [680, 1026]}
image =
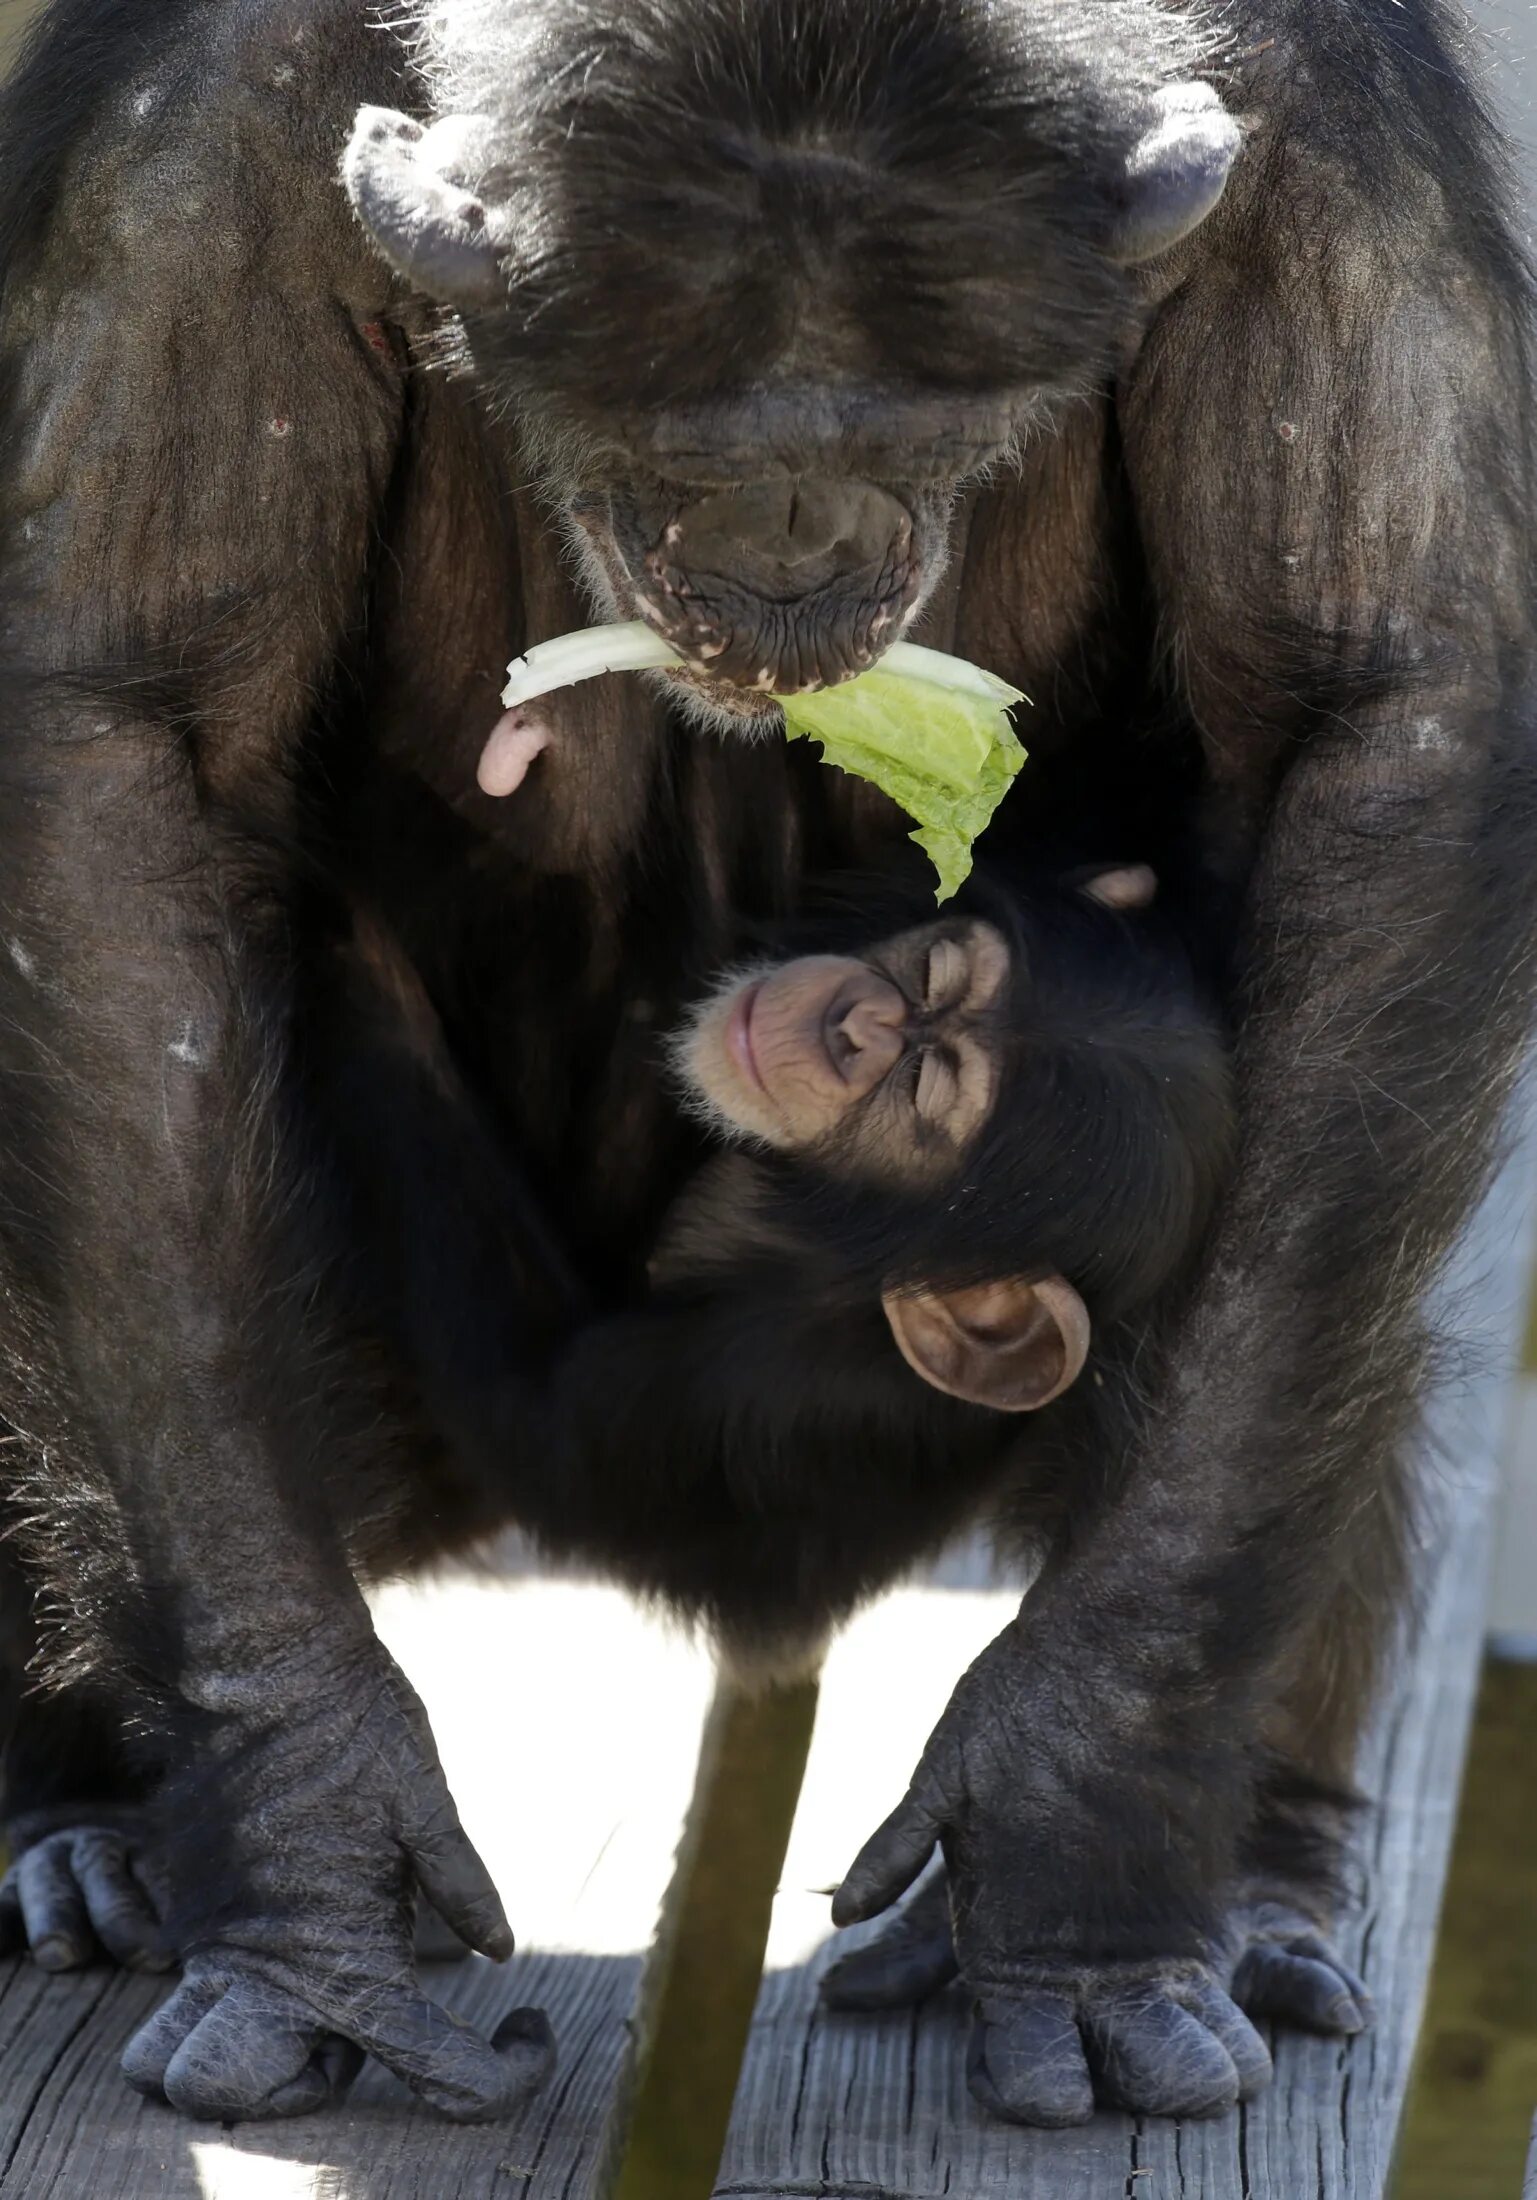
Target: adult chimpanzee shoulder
{"type": "Point", "coordinates": [1172, 364]}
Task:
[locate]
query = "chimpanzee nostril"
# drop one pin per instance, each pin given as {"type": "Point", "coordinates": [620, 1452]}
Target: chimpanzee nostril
{"type": "Point", "coordinates": [783, 536]}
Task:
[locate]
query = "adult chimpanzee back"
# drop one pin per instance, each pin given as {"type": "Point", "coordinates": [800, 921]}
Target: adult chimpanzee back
{"type": "Point", "coordinates": [1171, 362]}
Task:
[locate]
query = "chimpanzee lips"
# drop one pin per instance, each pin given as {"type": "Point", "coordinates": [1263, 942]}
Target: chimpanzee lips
{"type": "Point", "coordinates": [736, 636]}
{"type": "Point", "coordinates": [739, 1036]}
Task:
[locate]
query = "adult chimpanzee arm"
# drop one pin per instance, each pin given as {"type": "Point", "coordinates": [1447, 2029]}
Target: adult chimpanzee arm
{"type": "Point", "coordinates": [1329, 439]}
{"type": "Point", "coordinates": [196, 445]}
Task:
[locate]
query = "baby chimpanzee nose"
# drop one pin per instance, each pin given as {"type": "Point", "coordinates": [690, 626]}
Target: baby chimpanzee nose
{"type": "Point", "coordinates": [868, 1034]}
{"type": "Point", "coordinates": [787, 584]}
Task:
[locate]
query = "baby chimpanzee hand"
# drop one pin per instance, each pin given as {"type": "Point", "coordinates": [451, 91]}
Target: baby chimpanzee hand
{"type": "Point", "coordinates": [328, 1811]}
{"type": "Point", "coordinates": [1091, 1979]}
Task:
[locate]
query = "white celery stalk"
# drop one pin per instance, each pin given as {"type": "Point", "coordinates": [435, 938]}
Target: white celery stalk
{"type": "Point", "coordinates": [930, 731]}
{"type": "Point", "coordinates": [632, 647]}
{"type": "Point", "coordinates": [570, 658]}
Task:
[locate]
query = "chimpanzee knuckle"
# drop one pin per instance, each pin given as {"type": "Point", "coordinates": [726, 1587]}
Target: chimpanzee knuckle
{"type": "Point", "coordinates": [1026, 2061]}
{"type": "Point", "coordinates": [148, 2055]}
{"type": "Point", "coordinates": [1152, 2057]}
{"type": "Point", "coordinates": [249, 2057]}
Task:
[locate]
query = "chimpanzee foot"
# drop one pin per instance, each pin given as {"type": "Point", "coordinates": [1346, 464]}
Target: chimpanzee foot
{"type": "Point", "coordinates": [232, 2044]}
{"type": "Point", "coordinates": [1287, 1970]}
{"type": "Point", "coordinates": [911, 1958]}
{"type": "Point", "coordinates": [77, 1888]}
{"type": "Point", "coordinates": [1158, 2040]}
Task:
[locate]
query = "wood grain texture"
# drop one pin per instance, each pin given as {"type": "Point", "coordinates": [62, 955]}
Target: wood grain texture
{"type": "Point", "coordinates": [570, 1729]}
{"type": "Point", "coordinates": [1529, 2190]}
{"type": "Point", "coordinates": [841, 2107]}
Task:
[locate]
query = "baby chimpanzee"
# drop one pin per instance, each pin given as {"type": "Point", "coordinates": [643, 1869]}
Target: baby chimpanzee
{"type": "Point", "coordinates": [948, 1163]}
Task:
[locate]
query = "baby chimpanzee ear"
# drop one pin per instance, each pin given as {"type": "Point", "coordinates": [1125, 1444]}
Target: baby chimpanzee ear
{"type": "Point", "coordinates": [1012, 1346]}
{"type": "Point", "coordinates": [400, 179]}
{"type": "Point", "coordinates": [1127, 886]}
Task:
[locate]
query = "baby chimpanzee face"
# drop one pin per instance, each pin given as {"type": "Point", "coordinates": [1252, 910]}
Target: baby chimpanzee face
{"type": "Point", "coordinates": [886, 1064]}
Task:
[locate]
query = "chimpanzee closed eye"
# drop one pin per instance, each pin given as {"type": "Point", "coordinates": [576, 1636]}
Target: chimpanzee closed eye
{"type": "Point", "coordinates": [885, 1063]}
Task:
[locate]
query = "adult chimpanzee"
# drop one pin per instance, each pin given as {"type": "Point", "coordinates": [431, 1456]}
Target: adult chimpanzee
{"type": "Point", "coordinates": [1172, 364]}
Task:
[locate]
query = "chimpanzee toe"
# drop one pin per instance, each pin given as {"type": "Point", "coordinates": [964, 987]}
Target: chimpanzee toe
{"type": "Point", "coordinates": [911, 1957]}
{"type": "Point", "coordinates": [1301, 1981]}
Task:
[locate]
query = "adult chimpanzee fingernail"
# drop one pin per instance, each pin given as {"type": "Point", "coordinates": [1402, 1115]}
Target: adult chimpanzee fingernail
{"type": "Point", "coordinates": [1346, 2013]}
{"type": "Point", "coordinates": [56, 1952]}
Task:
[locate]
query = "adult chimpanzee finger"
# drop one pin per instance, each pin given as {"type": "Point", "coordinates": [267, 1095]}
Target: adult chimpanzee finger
{"type": "Point", "coordinates": [455, 1881]}
{"type": "Point", "coordinates": [911, 1957]}
{"type": "Point", "coordinates": [447, 2063]}
{"type": "Point", "coordinates": [1222, 2016]}
{"type": "Point", "coordinates": [891, 1859]}
{"type": "Point", "coordinates": [1275, 1981]}
{"type": "Point", "coordinates": [119, 1909]}
{"type": "Point", "coordinates": [256, 2053]}
{"type": "Point", "coordinates": [53, 1908]}
{"type": "Point", "coordinates": [148, 2054]}
{"type": "Point", "coordinates": [1026, 2061]}
{"type": "Point", "coordinates": [1153, 2057]}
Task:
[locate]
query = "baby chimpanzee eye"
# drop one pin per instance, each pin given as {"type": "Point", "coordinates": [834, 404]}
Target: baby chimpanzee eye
{"type": "Point", "coordinates": [935, 1092]}
{"type": "Point", "coordinates": [945, 973]}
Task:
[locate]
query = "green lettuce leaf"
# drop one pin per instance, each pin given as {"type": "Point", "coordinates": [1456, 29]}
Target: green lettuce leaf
{"type": "Point", "coordinates": [945, 755]}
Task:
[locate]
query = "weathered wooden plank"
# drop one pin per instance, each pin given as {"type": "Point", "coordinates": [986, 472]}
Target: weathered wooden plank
{"type": "Point", "coordinates": [846, 2106]}
{"type": "Point", "coordinates": [1529, 2189]}
{"type": "Point", "coordinates": [570, 1728]}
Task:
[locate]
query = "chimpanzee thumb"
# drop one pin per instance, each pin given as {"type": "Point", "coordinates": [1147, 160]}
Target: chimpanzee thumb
{"type": "Point", "coordinates": [893, 1856]}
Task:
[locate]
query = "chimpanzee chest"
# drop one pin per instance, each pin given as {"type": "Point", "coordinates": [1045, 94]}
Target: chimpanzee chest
{"type": "Point", "coordinates": [560, 931]}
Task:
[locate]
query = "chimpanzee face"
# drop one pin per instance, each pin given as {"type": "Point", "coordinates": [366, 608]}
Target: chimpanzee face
{"type": "Point", "coordinates": [885, 1065]}
{"type": "Point", "coordinates": [763, 282]}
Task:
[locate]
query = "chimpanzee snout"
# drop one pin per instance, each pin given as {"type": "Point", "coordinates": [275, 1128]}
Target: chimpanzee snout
{"type": "Point", "coordinates": [786, 584]}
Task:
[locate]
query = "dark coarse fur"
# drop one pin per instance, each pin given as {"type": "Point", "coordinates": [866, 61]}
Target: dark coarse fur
{"type": "Point", "coordinates": [1250, 522]}
{"type": "Point", "coordinates": [693, 206]}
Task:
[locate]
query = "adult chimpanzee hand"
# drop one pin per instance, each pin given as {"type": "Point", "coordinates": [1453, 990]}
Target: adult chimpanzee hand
{"type": "Point", "coordinates": [332, 1812]}
{"type": "Point", "coordinates": [1084, 1987]}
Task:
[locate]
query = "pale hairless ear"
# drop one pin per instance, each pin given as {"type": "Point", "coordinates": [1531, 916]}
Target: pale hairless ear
{"type": "Point", "coordinates": [1175, 173]}
{"type": "Point", "coordinates": [1128, 886]}
{"type": "Point", "coordinates": [1012, 1346]}
{"type": "Point", "coordinates": [406, 185]}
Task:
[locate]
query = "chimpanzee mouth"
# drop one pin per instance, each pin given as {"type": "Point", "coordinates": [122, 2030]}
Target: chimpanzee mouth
{"type": "Point", "coordinates": [780, 588]}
